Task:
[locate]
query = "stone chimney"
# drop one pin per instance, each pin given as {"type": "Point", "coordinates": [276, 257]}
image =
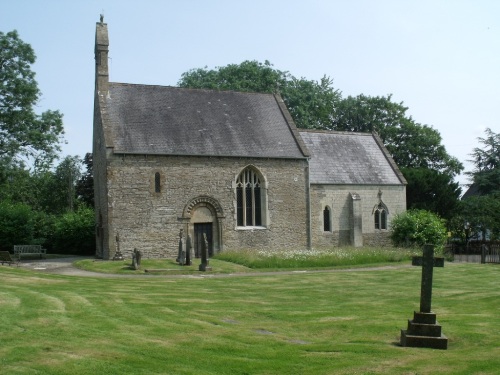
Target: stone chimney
{"type": "Point", "coordinates": [101, 57]}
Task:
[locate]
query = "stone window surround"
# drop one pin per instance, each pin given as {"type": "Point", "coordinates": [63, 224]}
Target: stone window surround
{"type": "Point", "coordinates": [380, 216]}
{"type": "Point", "coordinates": [329, 229]}
{"type": "Point", "coordinates": [157, 181]}
{"type": "Point", "coordinates": [264, 200]}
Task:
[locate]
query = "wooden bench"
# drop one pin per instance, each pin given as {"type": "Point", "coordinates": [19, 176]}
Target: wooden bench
{"type": "Point", "coordinates": [6, 258]}
{"type": "Point", "coordinates": [29, 250]}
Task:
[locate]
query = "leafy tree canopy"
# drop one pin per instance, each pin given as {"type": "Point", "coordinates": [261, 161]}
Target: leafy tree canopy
{"type": "Point", "coordinates": [310, 103]}
{"type": "Point", "coordinates": [23, 133]}
{"type": "Point", "coordinates": [486, 160]}
{"type": "Point", "coordinates": [431, 190]}
{"type": "Point", "coordinates": [85, 184]}
{"type": "Point", "coordinates": [411, 145]}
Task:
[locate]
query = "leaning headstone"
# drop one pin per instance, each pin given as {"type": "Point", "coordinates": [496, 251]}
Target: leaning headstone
{"type": "Point", "coordinates": [118, 255]}
{"type": "Point", "coordinates": [424, 331]}
{"type": "Point", "coordinates": [204, 255]}
{"type": "Point", "coordinates": [136, 259]}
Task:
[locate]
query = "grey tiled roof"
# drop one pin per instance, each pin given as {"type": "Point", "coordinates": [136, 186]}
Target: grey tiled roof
{"type": "Point", "coordinates": [349, 158]}
{"type": "Point", "coordinates": [163, 120]}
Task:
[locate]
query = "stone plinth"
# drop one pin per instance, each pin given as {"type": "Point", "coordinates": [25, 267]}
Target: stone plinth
{"type": "Point", "coordinates": [424, 332]}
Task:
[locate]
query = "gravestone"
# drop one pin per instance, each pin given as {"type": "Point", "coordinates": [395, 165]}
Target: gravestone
{"type": "Point", "coordinates": [181, 255]}
{"type": "Point", "coordinates": [136, 259]}
{"type": "Point", "coordinates": [424, 331]}
{"type": "Point", "coordinates": [118, 255]}
{"type": "Point", "coordinates": [204, 255]}
{"type": "Point", "coordinates": [188, 250]}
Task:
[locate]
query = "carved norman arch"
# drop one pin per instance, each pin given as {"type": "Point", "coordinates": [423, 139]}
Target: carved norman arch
{"type": "Point", "coordinates": [202, 199]}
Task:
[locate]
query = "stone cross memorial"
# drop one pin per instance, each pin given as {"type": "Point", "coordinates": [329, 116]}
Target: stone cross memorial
{"type": "Point", "coordinates": [423, 331]}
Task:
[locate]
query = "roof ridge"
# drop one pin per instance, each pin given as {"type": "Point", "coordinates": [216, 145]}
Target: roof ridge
{"type": "Point", "coordinates": [322, 131]}
{"type": "Point", "coordinates": [191, 88]}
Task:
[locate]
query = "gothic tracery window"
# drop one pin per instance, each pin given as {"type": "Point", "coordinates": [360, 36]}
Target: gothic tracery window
{"type": "Point", "coordinates": [249, 199]}
{"type": "Point", "coordinates": [380, 216]}
{"type": "Point", "coordinates": [380, 212]}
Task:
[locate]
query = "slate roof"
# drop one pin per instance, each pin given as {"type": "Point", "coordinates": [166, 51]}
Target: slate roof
{"type": "Point", "coordinates": [472, 191]}
{"type": "Point", "coordinates": [343, 158]}
{"type": "Point", "coordinates": [160, 120]}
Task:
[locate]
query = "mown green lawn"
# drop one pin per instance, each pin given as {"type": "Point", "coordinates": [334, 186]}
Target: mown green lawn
{"type": "Point", "coordinates": [342, 322]}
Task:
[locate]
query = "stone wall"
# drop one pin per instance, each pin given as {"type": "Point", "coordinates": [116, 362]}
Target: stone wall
{"type": "Point", "coordinates": [99, 167]}
{"type": "Point", "coordinates": [151, 221]}
{"type": "Point", "coordinates": [338, 199]}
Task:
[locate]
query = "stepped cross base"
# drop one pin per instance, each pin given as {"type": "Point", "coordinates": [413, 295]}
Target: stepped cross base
{"type": "Point", "coordinates": [424, 332]}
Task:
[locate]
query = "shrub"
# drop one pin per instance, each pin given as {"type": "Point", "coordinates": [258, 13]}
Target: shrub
{"type": "Point", "coordinates": [417, 228]}
{"type": "Point", "coordinates": [16, 225]}
{"type": "Point", "coordinates": [74, 233]}
{"type": "Point", "coordinates": [43, 228]}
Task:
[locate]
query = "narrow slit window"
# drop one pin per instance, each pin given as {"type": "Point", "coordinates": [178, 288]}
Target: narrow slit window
{"type": "Point", "coordinates": [327, 226]}
{"type": "Point", "coordinates": [157, 183]}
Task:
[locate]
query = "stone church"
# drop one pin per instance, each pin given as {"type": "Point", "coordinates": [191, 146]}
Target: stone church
{"type": "Point", "coordinates": [230, 165]}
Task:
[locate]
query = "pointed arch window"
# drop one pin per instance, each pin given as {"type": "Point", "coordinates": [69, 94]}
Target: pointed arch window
{"type": "Point", "coordinates": [327, 222]}
{"type": "Point", "coordinates": [249, 199]}
{"type": "Point", "coordinates": [380, 217]}
{"type": "Point", "coordinates": [380, 212]}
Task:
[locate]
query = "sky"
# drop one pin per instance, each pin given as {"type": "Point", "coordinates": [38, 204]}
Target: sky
{"type": "Point", "coordinates": [441, 58]}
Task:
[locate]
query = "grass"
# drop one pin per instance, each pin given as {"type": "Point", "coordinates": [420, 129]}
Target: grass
{"type": "Point", "coordinates": [340, 322]}
{"type": "Point", "coordinates": [320, 258]}
{"type": "Point", "coordinates": [158, 266]}
{"type": "Point", "coordinates": [261, 261]}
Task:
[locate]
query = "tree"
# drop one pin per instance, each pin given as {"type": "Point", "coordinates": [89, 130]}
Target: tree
{"type": "Point", "coordinates": [63, 191]}
{"type": "Point", "coordinates": [431, 190]}
{"type": "Point", "coordinates": [16, 225]}
{"type": "Point", "coordinates": [411, 145]}
{"type": "Point", "coordinates": [23, 133]}
{"type": "Point", "coordinates": [480, 207]}
{"type": "Point", "coordinates": [85, 184]}
{"type": "Point", "coordinates": [310, 103]}
{"type": "Point", "coordinates": [486, 160]}
{"type": "Point", "coordinates": [33, 188]}
{"type": "Point", "coordinates": [74, 232]}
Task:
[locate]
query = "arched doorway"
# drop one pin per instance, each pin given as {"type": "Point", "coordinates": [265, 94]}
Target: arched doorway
{"type": "Point", "coordinates": [203, 215]}
{"type": "Point", "coordinates": [202, 221]}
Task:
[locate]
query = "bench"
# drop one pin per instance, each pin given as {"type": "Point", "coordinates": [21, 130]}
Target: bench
{"type": "Point", "coordinates": [6, 258]}
{"type": "Point", "coordinates": [29, 250]}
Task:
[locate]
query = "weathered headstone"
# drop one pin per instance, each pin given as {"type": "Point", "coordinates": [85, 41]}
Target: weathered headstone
{"type": "Point", "coordinates": [136, 259]}
{"type": "Point", "coordinates": [188, 250]}
{"type": "Point", "coordinates": [423, 331]}
{"type": "Point", "coordinates": [204, 255]}
{"type": "Point", "coordinates": [181, 257]}
{"type": "Point", "coordinates": [118, 255]}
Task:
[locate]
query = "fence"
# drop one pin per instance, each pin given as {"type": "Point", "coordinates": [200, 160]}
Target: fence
{"type": "Point", "coordinates": [475, 252]}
